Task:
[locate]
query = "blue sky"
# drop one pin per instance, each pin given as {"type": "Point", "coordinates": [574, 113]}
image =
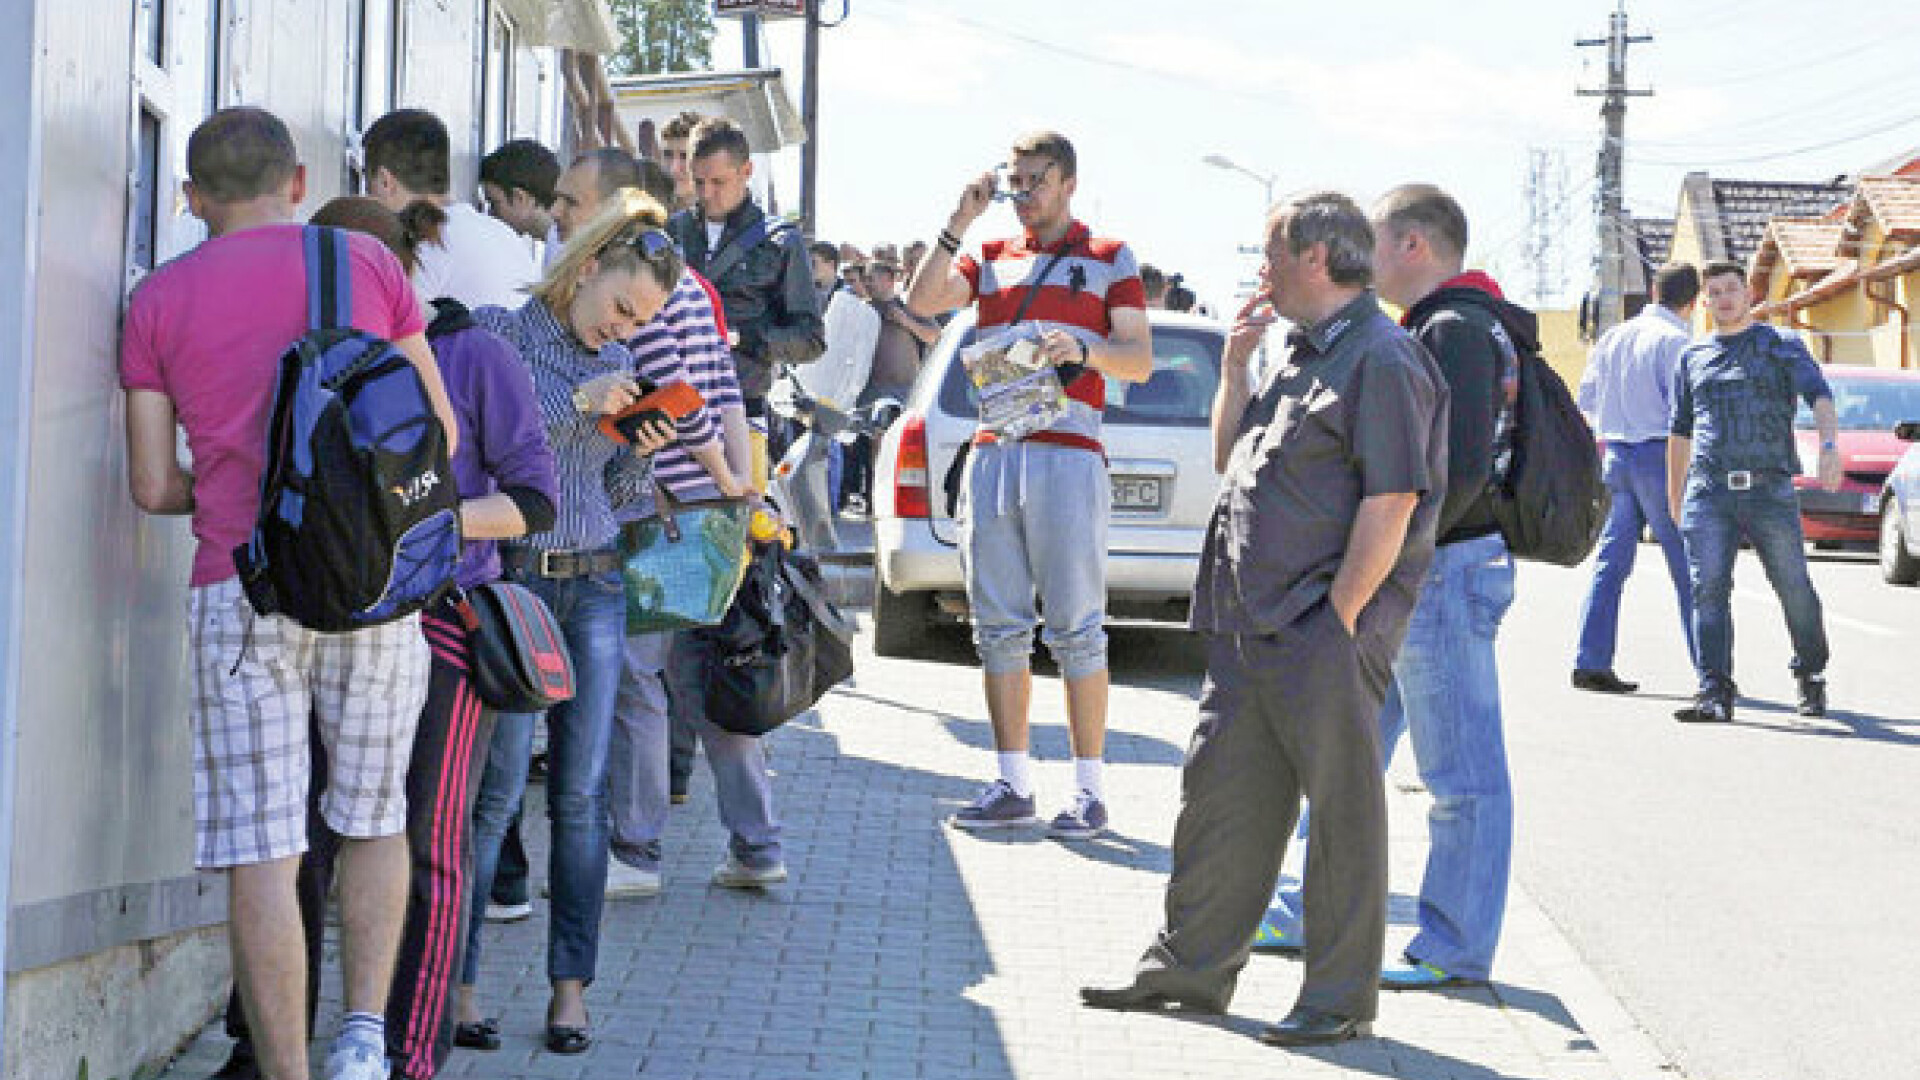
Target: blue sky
{"type": "Point", "coordinates": [919, 95]}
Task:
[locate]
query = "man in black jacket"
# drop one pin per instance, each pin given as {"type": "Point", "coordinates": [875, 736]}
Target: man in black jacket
{"type": "Point", "coordinates": [757, 264]}
{"type": "Point", "coordinates": [1446, 688]}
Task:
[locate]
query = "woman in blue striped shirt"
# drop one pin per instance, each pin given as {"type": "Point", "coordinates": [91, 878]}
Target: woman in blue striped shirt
{"type": "Point", "coordinates": [612, 279]}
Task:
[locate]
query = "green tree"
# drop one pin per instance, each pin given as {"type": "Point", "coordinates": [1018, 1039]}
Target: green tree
{"type": "Point", "coordinates": [662, 35]}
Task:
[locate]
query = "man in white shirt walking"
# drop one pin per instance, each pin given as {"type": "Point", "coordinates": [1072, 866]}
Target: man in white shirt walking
{"type": "Point", "coordinates": [478, 260]}
{"type": "Point", "coordinates": [1627, 394]}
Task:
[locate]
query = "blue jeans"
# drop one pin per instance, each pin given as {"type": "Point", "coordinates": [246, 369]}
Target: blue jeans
{"type": "Point", "coordinates": [592, 613]}
{"type": "Point", "coordinates": [1636, 474]}
{"type": "Point", "coordinates": [501, 787]}
{"type": "Point", "coordinates": [1446, 693]}
{"type": "Point", "coordinates": [1713, 519]}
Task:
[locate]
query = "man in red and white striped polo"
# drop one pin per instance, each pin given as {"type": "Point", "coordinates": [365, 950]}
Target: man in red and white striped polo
{"type": "Point", "coordinates": [1034, 511]}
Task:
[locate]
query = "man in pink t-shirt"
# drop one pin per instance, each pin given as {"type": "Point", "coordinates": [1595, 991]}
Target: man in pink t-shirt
{"type": "Point", "coordinates": [200, 350]}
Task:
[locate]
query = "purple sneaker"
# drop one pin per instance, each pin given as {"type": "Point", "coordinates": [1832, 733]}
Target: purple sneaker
{"type": "Point", "coordinates": [1084, 820]}
{"type": "Point", "coordinates": [996, 808]}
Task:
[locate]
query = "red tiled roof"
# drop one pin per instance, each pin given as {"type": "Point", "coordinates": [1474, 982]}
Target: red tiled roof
{"type": "Point", "coordinates": [1809, 246]}
{"type": "Point", "coordinates": [1893, 201]}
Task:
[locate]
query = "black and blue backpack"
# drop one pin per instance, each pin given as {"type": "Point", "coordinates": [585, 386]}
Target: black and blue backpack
{"type": "Point", "coordinates": [359, 520]}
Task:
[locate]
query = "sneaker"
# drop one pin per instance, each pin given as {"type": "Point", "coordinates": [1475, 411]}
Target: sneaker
{"type": "Point", "coordinates": [356, 1059]}
{"type": "Point", "coordinates": [1707, 709]}
{"type": "Point", "coordinates": [1085, 819]}
{"type": "Point", "coordinates": [1271, 939]}
{"type": "Point", "coordinates": [734, 874]}
{"type": "Point", "coordinates": [996, 808]}
{"type": "Point", "coordinates": [626, 882]}
{"type": "Point", "coordinates": [1411, 974]}
{"type": "Point", "coordinates": [504, 913]}
{"type": "Point", "coordinates": [1813, 696]}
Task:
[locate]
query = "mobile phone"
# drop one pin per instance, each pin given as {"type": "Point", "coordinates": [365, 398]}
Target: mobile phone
{"type": "Point", "coordinates": [674, 401]}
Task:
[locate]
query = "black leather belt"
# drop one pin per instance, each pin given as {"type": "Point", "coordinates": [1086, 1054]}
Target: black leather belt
{"type": "Point", "coordinates": [560, 563]}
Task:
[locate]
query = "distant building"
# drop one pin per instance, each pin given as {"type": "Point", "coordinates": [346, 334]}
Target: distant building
{"type": "Point", "coordinates": [1849, 279]}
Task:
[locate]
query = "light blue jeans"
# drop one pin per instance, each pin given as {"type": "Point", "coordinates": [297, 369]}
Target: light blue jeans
{"type": "Point", "coordinates": [1446, 692]}
{"type": "Point", "coordinates": [1636, 474]}
{"type": "Point", "coordinates": [1714, 520]}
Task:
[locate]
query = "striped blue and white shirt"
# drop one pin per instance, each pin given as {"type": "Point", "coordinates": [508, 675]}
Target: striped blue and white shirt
{"type": "Point", "coordinates": [559, 363]}
{"type": "Point", "coordinates": [683, 344]}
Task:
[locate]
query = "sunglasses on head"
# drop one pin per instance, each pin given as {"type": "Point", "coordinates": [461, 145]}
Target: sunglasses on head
{"type": "Point", "coordinates": [652, 244]}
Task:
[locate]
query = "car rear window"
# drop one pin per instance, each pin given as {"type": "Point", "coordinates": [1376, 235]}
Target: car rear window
{"type": "Point", "coordinates": [1186, 369]}
{"type": "Point", "coordinates": [1868, 404]}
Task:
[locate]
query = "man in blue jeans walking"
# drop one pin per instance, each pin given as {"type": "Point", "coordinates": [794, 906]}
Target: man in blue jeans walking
{"type": "Point", "coordinates": [1731, 460]}
{"type": "Point", "coordinates": [1446, 687]}
{"type": "Point", "coordinates": [1627, 393]}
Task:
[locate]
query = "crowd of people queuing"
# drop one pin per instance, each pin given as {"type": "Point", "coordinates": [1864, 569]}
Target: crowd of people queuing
{"type": "Point", "coordinates": [1352, 583]}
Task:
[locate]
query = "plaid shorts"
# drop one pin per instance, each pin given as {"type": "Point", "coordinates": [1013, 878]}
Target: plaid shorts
{"type": "Point", "coordinates": [256, 682]}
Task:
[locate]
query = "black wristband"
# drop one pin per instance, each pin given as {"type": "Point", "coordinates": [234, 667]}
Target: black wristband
{"type": "Point", "coordinates": [1086, 354]}
{"type": "Point", "coordinates": [949, 242]}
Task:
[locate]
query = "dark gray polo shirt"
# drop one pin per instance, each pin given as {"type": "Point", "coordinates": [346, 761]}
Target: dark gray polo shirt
{"type": "Point", "coordinates": [1355, 408]}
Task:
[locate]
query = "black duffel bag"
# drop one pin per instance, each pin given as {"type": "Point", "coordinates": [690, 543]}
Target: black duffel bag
{"type": "Point", "coordinates": [782, 646]}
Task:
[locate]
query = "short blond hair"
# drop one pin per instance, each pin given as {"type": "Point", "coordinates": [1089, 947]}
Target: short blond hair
{"type": "Point", "coordinates": [608, 239]}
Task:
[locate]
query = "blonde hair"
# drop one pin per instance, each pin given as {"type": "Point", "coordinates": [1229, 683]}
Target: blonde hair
{"type": "Point", "coordinates": [607, 240]}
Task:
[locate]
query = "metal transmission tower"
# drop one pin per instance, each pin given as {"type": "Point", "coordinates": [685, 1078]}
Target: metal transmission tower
{"type": "Point", "coordinates": [1609, 307]}
{"type": "Point", "coordinates": [1546, 205]}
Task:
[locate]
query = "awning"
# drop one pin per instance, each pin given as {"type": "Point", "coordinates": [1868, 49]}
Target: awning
{"type": "Point", "coordinates": [756, 100]}
{"type": "Point", "coordinates": [581, 25]}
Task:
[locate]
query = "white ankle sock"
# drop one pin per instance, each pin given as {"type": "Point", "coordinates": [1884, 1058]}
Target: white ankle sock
{"type": "Point", "coordinates": [1090, 774]}
{"type": "Point", "coordinates": [1016, 768]}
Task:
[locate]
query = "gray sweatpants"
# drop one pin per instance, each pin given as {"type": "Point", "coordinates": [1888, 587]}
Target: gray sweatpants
{"type": "Point", "coordinates": [637, 770]}
{"type": "Point", "coordinates": [1282, 716]}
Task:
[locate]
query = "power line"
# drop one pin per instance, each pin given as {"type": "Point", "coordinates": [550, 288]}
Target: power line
{"type": "Point", "coordinates": [1778, 155]}
{"type": "Point", "coordinates": [1095, 59]}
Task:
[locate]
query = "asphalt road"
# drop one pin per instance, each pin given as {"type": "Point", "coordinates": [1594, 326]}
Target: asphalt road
{"type": "Point", "coordinates": [1747, 892]}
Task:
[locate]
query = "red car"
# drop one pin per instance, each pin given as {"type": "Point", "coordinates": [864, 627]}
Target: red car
{"type": "Point", "coordinates": [1869, 401]}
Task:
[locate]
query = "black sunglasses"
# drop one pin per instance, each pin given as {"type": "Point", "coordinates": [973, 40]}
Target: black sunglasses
{"type": "Point", "coordinates": [652, 244]}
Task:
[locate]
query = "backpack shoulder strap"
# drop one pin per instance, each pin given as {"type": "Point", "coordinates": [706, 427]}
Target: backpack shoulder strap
{"type": "Point", "coordinates": [329, 279]}
{"type": "Point", "coordinates": [718, 263]}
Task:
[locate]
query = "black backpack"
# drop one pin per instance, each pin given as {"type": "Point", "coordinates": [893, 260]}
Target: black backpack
{"type": "Point", "coordinates": [358, 521]}
{"type": "Point", "coordinates": [1548, 493]}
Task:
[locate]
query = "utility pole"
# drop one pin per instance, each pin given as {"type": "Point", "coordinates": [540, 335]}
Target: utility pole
{"type": "Point", "coordinates": [810, 122]}
{"type": "Point", "coordinates": [1546, 196]}
{"type": "Point", "coordinates": [1610, 303]}
{"type": "Point", "coordinates": [750, 39]}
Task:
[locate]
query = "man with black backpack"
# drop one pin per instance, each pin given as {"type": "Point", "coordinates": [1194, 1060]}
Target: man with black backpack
{"type": "Point", "coordinates": [199, 350]}
{"type": "Point", "coordinates": [1445, 688]}
{"type": "Point", "coordinates": [758, 264]}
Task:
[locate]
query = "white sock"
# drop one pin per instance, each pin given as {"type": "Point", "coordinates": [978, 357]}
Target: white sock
{"type": "Point", "coordinates": [1016, 768]}
{"type": "Point", "coordinates": [1090, 774]}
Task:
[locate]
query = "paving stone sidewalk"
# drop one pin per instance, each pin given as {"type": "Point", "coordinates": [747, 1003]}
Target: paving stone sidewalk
{"type": "Point", "coordinates": [902, 949]}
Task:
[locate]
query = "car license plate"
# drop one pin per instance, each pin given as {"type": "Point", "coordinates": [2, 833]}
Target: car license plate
{"type": "Point", "coordinates": [1138, 492]}
{"type": "Point", "coordinates": [1870, 503]}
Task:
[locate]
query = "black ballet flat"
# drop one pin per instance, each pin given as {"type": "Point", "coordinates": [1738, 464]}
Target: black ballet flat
{"type": "Point", "coordinates": [564, 1039]}
{"type": "Point", "coordinates": [478, 1035]}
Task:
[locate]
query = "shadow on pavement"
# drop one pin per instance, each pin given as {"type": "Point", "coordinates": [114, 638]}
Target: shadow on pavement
{"type": "Point", "coordinates": [859, 966]}
{"type": "Point", "coordinates": [1837, 724]}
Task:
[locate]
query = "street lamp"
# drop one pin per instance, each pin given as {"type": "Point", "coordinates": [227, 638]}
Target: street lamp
{"type": "Point", "coordinates": [1265, 180]}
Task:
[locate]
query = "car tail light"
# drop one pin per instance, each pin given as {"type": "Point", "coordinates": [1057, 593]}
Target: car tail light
{"type": "Point", "coordinates": [911, 496]}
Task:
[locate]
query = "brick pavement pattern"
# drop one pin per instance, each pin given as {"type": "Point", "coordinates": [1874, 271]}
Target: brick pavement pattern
{"type": "Point", "coordinates": [902, 949]}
